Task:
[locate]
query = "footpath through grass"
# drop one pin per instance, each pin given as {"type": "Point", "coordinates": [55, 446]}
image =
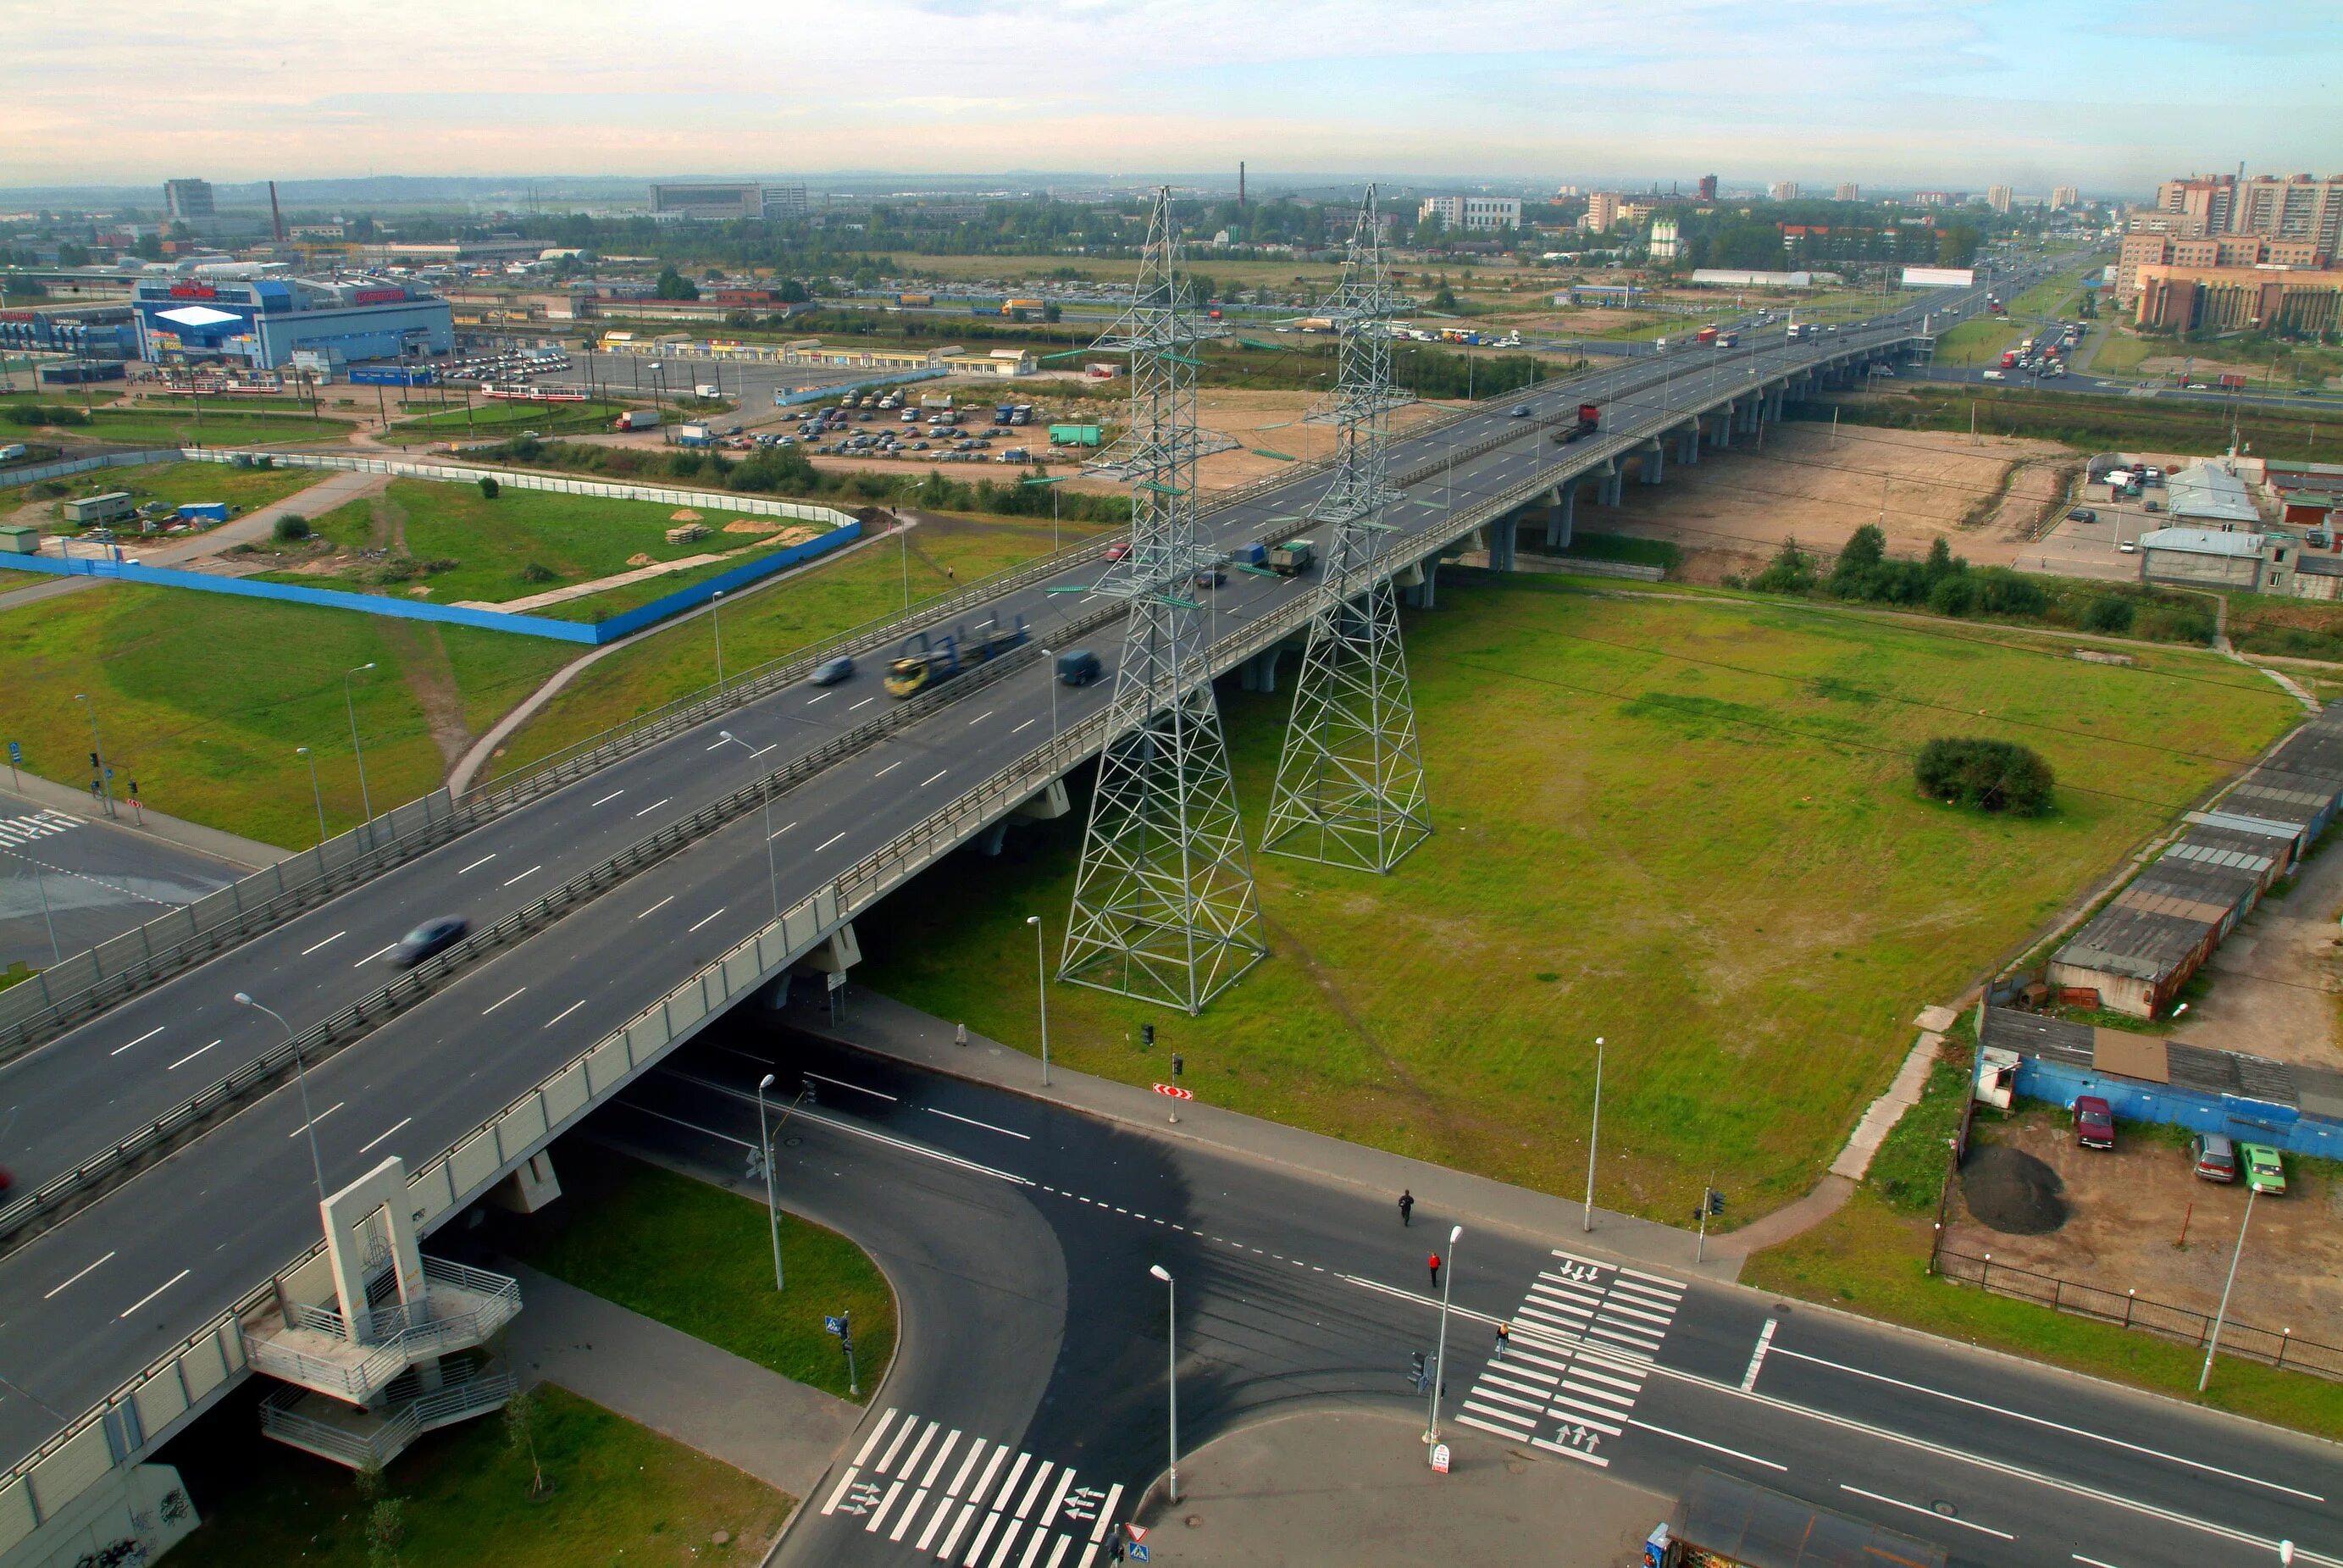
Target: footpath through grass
{"type": "Point", "coordinates": [944, 552]}
{"type": "Point", "coordinates": [622, 1496]}
{"type": "Point", "coordinates": [1682, 822]}
{"type": "Point", "coordinates": [700, 1259]}
{"type": "Point", "coordinates": [203, 698]}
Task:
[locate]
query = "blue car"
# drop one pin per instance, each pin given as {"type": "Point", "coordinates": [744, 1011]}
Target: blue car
{"type": "Point", "coordinates": [830, 672]}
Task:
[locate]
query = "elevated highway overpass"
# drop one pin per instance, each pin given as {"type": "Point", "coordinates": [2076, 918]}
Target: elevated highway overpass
{"type": "Point", "coordinates": [121, 1320]}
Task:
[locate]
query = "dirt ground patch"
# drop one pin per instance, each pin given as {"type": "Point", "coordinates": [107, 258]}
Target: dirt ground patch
{"type": "Point", "coordinates": [1733, 510]}
{"type": "Point", "coordinates": [2128, 1207]}
{"type": "Point", "coordinates": [2012, 1191]}
{"type": "Point", "coordinates": [2276, 977]}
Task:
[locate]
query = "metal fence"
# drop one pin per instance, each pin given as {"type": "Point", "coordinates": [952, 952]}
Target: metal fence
{"type": "Point", "coordinates": [72, 466]}
{"type": "Point", "coordinates": [2277, 1347]}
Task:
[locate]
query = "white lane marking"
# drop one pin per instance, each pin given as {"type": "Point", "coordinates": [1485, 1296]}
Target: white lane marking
{"type": "Point", "coordinates": [719, 745]}
{"type": "Point", "coordinates": [2091, 1562]}
{"type": "Point", "coordinates": [779, 831]}
{"type": "Point", "coordinates": [368, 1148]}
{"type": "Point", "coordinates": [476, 864]}
{"type": "Point", "coordinates": [902, 1436]}
{"type": "Point", "coordinates": [606, 800]}
{"type": "Point", "coordinates": [762, 750]}
{"type": "Point", "coordinates": [844, 1481]}
{"type": "Point", "coordinates": [158, 1291]}
{"type": "Point", "coordinates": [842, 1125]}
{"type": "Point", "coordinates": [142, 1040]}
{"type": "Point", "coordinates": [313, 1122]}
{"type": "Point", "coordinates": [532, 871]}
{"type": "Point", "coordinates": [2053, 1425]}
{"type": "Point", "coordinates": [499, 1002]}
{"type": "Point", "coordinates": [982, 716]}
{"type": "Point", "coordinates": [1915, 1508]}
{"type": "Point", "coordinates": [858, 1089]}
{"type": "Point", "coordinates": [988, 1126]}
{"type": "Point", "coordinates": [655, 909]}
{"type": "Point", "coordinates": [864, 703]}
{"type": "Point", "coordinates": [1106, 1511]}
{"type": "Point", "coordinates": [823, 698]}
{"type": "Point", "coordinates": [329, 941]}
{"type": "Point", "coordinates": [372, 956]}
{"type": "Point", "coordinates": [933, 777]}
{"type": "Point", "coordinates": [1711, 1447]}
{"type": "Point", "coordinates": [565, 1012]}
{"type": "Point", "coordinates": [703, 920]}
{"type": "Point", "coordinates": [889, 768]}
{"type": "Point", "coordinates": [936, 1465]}
{"type": "Point", "coordinates": [189, 1057]}
{"type": "Point", "coordinates": [79, 1275]}
{"type": "Point", "coordinates": [1758, 1356]}
{"type": "Point", "coordinates": [826, 843]}
{"type": "Point", "coordinates": [654, 806]}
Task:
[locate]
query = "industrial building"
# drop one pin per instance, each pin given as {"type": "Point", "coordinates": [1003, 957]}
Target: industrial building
{"type": "Point", "coordinates": [1472, 215]}
{"type": "Point", "coordinates": [189, 202]}
{"type": "Point", "coordinates": [260, 322]}
{"type": "Point", "coordinates": [2205, 557]}
{"type": "Point", "coordinates": [705, 202]}
{"type": "Point", "coordinates": [85, 331]}
{"type": "Point", "coordinates": [2266, 297]}
{"type": "Point", "coordinates": [2212, 496]}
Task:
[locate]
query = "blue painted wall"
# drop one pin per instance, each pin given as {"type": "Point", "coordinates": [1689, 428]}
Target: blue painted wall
{"type": "Point", "coordinates": [2248, 1120]}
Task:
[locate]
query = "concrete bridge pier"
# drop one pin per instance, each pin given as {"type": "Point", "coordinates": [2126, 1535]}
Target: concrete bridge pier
{"type": "Point", "coordinates": [1720, 429]}
{"type": "Point", "coordinates": [1503, 535]}
{"type": "Point", "coordinates": [1654, 466]}
{"type": "Point", "coordinates": [1561, 515]}
{"type": "Point", "coordinates": [1688, 445]}
{"type": "Point", "coordinates": [1259, 673]}
{"type": "Point", "coordinates": [1774, 405]}
{"type": "Point", "coordinates": [1422, 593]}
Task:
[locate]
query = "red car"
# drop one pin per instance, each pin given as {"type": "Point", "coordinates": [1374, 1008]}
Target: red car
{"type": "Point", "coordinates": [2094, 1122]}
{"type": "Point", "coordinates": [1117, 550]}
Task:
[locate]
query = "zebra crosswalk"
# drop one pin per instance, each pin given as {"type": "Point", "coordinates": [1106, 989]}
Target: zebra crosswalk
{"type": "Point", "coordinates": [1581, 1344]}
{"type": "Point", "coordinates": [18, 831]}
{"type": "Point", "coordinates": [970, 1501]}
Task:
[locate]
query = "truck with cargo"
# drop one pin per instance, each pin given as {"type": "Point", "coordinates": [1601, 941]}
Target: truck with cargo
{"type": "Point", "coordinates": [708, 390]}
{"type": "Point", "coordinates": [1799, 332]}
{"type": "Point", "coordinates": [915, 301]}
{"type": "Point", "coordinates": [1293, 557]}
{"type": "Point", "coordinates": [1075, 436]}
{"type": "Point", "coordinates": [12, 451]}
{"type": "Point", "coordinates": [1590, 420]}
{"type": "Point", "coordinates": [636, 419]}
{"type": "Point", "coordinates": [1727, 339]}
{"type": "Point", "coordinates": [1023, 306]}
{"type": "Point", "coordinates": [1719, 1522]}
{"type": "Point", "coordinates": [2008, 359]}
{"type": "Point", "coordinates": [927, 660]}
{"type": "Point", "coordinates": [935, 399]}
{"type": "Point", "coordinates": [1704, 337]}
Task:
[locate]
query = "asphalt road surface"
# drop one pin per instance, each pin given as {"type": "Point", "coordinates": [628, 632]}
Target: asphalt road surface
{"type": "Point", "coordinates": [1293, 1290]}
{"type": "Point", "coordinates": [71, 880]}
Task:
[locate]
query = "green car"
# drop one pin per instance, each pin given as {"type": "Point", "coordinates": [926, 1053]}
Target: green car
{"type": "Point", "coordinates": [2265, 1173]}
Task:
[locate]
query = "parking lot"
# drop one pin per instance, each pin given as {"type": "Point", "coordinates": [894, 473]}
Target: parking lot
{"type": "Point", "coordinates": [2095, 550]}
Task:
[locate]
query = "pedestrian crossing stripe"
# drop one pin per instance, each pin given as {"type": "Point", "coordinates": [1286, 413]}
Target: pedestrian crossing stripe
{"type": "Point", "coordinates": [15, 830]}
{"type": "Point", "coordinates": [1011, 1511]}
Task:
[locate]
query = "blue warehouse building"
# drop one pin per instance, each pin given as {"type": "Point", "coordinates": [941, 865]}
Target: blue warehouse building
{"type": "Point", "coordinates": [258, 322]}
{"type": "Point", "coordinates": [86, 331]}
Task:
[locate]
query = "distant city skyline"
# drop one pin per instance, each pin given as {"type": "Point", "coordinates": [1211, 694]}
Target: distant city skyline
{"type": "Point", "coordinates": [1896, 93]}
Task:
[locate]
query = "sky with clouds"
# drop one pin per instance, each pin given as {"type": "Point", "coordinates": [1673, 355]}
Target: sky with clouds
{"type": "Point", "coordinates": [2111, 94]}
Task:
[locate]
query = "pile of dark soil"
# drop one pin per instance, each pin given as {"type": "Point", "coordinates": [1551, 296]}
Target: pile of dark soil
{"type": "Point", "coordinates": [2012, 1191]}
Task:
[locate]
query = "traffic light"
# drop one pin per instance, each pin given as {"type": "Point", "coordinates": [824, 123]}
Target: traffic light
{"type": "Point", "coordinates": [1715, 1201]}
{"type": "Point", "coordinates": [1415, 1369]}
{"type": "Point", "coordinates": [1146, 1031]}
{"type": "Point", "coordinates": [94, 763]}
{"type": "Point", "coordinates": [1178, 1065]}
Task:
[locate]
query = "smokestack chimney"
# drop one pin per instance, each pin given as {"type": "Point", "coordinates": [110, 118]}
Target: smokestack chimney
{"type": "Point", "coordinates": [276, 217]}
{"type": "Point", "coordinates": [1241, 185]}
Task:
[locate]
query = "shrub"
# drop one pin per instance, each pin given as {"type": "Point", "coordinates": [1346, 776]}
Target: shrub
{"type": "Point", "coordinates": [1791, 571]}
{"type": "Point", "coordinates": [534, 573]}
{"type": "Point", "coordinates": [2108, 612]}
{"type": "Point", "coordinates": [1989, 775]}
{"type": "Point", "coordinates": [291, 528]}
{"type": "Point", "coordinates": [488, 488]}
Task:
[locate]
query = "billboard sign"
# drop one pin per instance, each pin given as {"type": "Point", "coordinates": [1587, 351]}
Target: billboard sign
{"type": "Point", "coordinates": [379, 297]}
{"type": "Point", "coordinates": [1939, 277]}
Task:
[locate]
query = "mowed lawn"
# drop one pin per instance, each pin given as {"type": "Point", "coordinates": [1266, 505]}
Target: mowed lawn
{"type": "Point", "coordinates": [203, 698]}
{"type": "Point", "coordinates": [865, 584]}
{"type": "Point", "coordinates": [491, 419]}
{"type": "Point", "coordinates": [1685, 824]}
{"type": "Point", "coordinates": [494, 543]}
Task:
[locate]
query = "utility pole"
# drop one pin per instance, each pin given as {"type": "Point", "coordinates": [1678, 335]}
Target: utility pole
{"type": "Point", "coordinates": [1439, 1355]}
{"type": "Point", "coordinates": [765, 1158]}
{"type": "Point", "coordinates": [97, 755]}
{"type": "Point", "coordinates": [2213, 1340]}
{"type": "Point", "coordinates": [1594, 1136]}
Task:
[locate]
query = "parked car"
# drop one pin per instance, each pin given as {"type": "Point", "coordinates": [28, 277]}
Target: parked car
{"type": "Point", "coordinates": [2094, 1122]}
{"type": "Point", "coordinates": [2264, 1171]}
{"type": "Point", "coordinates": [430, 937]}
{"type": "Point", "coordinates": [2128, 547]}
{"type": "Point", "coordinates": [2217, 1157]}
{"type": "Point", "coordinates": [830, 672]}
{"type": "Point", "coordinates": [2082, 515]}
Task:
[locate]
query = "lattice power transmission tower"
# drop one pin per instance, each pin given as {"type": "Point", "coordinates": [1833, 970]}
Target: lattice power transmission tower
{"type": "Point", "coordinates": [1350, 780]}
{"type": "Point", "coordinates": [1164, 907]}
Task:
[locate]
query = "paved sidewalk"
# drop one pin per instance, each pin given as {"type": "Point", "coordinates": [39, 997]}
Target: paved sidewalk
{"type": "Point", "coordinates": [759, 1422]}
{"type": "Point", "coordinates": [883, 1025]}
{"type": "Point", "coordinates": [1328, 1486]}
{"type": "Point", "coordinates": [234, 848]}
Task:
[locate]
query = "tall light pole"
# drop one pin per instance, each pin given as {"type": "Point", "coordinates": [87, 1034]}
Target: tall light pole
{"type": "Point", "coordinates": [1042, 993]}
{"type": "Point", "coordinates": [316, 794]}
{"type": "Point", "coordinates": [716, 614]}
{"type": "Point", "coordinates": [765, 785]}
{"type": "Point", "coordinates": [2213, 1340]}
{"type": "Point", "coordinates": [366, 798]}
{"type": "Point", "coordinates": [300, 1076]}
{"type": "Point", "coordinates": [41, 881]}
{"type": "Point", "coordinates": [765, 1152]}
{"type": "Point", "coordinates": [1054, 694]}
{"type": "Point", "coordinates": [98, 752]}
{"type": "Point", "coordinates": [1172, 1380]}
{"type": "Point", "coordinates": [1593, 1136]}
{"type": "Point", "coordinates": [1440, 1354]}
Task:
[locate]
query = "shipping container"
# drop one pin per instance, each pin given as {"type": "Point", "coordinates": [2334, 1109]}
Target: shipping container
{"type": "Point", "coordinates": [100, 509]}
{"type": "Point", "coordinates": [1074, 436]}
{"type": "Point", "coordinates": [203, 511]}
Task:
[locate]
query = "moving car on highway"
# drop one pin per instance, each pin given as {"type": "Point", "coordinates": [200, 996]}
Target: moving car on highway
{"type": "Point", "coordinates": [430, 937]}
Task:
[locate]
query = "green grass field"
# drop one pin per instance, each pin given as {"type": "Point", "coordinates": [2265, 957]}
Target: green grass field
{"type": "Point", "coordinates": [864, 586]}
{"type": "Point", "coordinates": [1682, 822]}
{"type": "Point", "coordinates": [622, 1496]}
{"type": "Point", "coordinates": [203, 698]}
{"type": "Point", "coordinates": [497, 543]}
{"type": "Point", "coordinates": [700, 1259]}
{"type": "Point", "coordinates": [210, 428]}
{"type": "Point", "coordinates": [69, 396]}
{"type": "Point", "coordinates": [494, 420]}
{"type": "Point", "coordinates": [1975, 342]}
{"type": "Point", "coordinates": [176, 484]}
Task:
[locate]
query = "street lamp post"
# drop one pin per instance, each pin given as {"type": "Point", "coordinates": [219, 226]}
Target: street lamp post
{"type": "Point", "coordinates": [716, 614]}
{"type": "Point", "coordinates": [366, 798]}
{"type": "Point", "coordinates": [1440, 1351]}
{"type": "Point", "coordinates": [300, 1076]}
{"type": "Point", "coordinates": [765, 787]}
{"type": "Point", "coordinates": [1171, 1382]}
{"type": "Point", "coordinates": [1053, 695]}
{"type": "Point", "coordinates": [765, 1152]}
{"type": "Point", "coordinates": [98, 752]}
{"type": "Point", "coordinates": [41, 881]}
{"type": "Point", "coordinates": [316, 794]}
{"type": "Point", "coordinates": [1041, 992]}
{"type": "Point", "coordinates": [1593, 1136]}
{"type": "Point", "coordinates": [2220, 1315]}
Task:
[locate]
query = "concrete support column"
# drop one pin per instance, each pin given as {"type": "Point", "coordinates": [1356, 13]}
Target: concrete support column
{"type": "Point", "coordinates": [1421, 595]}
{"type": "Point", "coordinates": [1611, 487]}
{"type": "Point", "coordinates": [1774, 405]}
{"type": "Point", "coordinates": [1688, 447]}
{"type": "Point", "coordinates": [1721, 433]}
{"type": "Point", "coordinates": [1259, 673]}
{"type": "Point", "coordinates": [1655, 462]}
{"type": "Point", "coordinates": [989, 842]}
{"type": "Point", "coordinates": [1561, 518]}
{"type": "Point", "coordinates": [1502, 536]}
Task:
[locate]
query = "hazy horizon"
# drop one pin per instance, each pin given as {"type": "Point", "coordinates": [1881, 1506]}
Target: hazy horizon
{"type": "Point", "coordinates": [1891, 94]}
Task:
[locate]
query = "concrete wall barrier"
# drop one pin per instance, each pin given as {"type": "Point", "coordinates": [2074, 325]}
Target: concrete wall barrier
{"type": "Point", "coordinates": [67, 467]}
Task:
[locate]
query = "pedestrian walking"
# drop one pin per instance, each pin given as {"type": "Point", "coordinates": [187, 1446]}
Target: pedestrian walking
{"type": "Point", "coordinates": [1435, 1262]}
{"type": "Point", "coordinates": [1504, 1337]}
{"type": "Point", "coordinates": [1406, 1207]}
{"type": "Point", "coordinates": [960, 1034]}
